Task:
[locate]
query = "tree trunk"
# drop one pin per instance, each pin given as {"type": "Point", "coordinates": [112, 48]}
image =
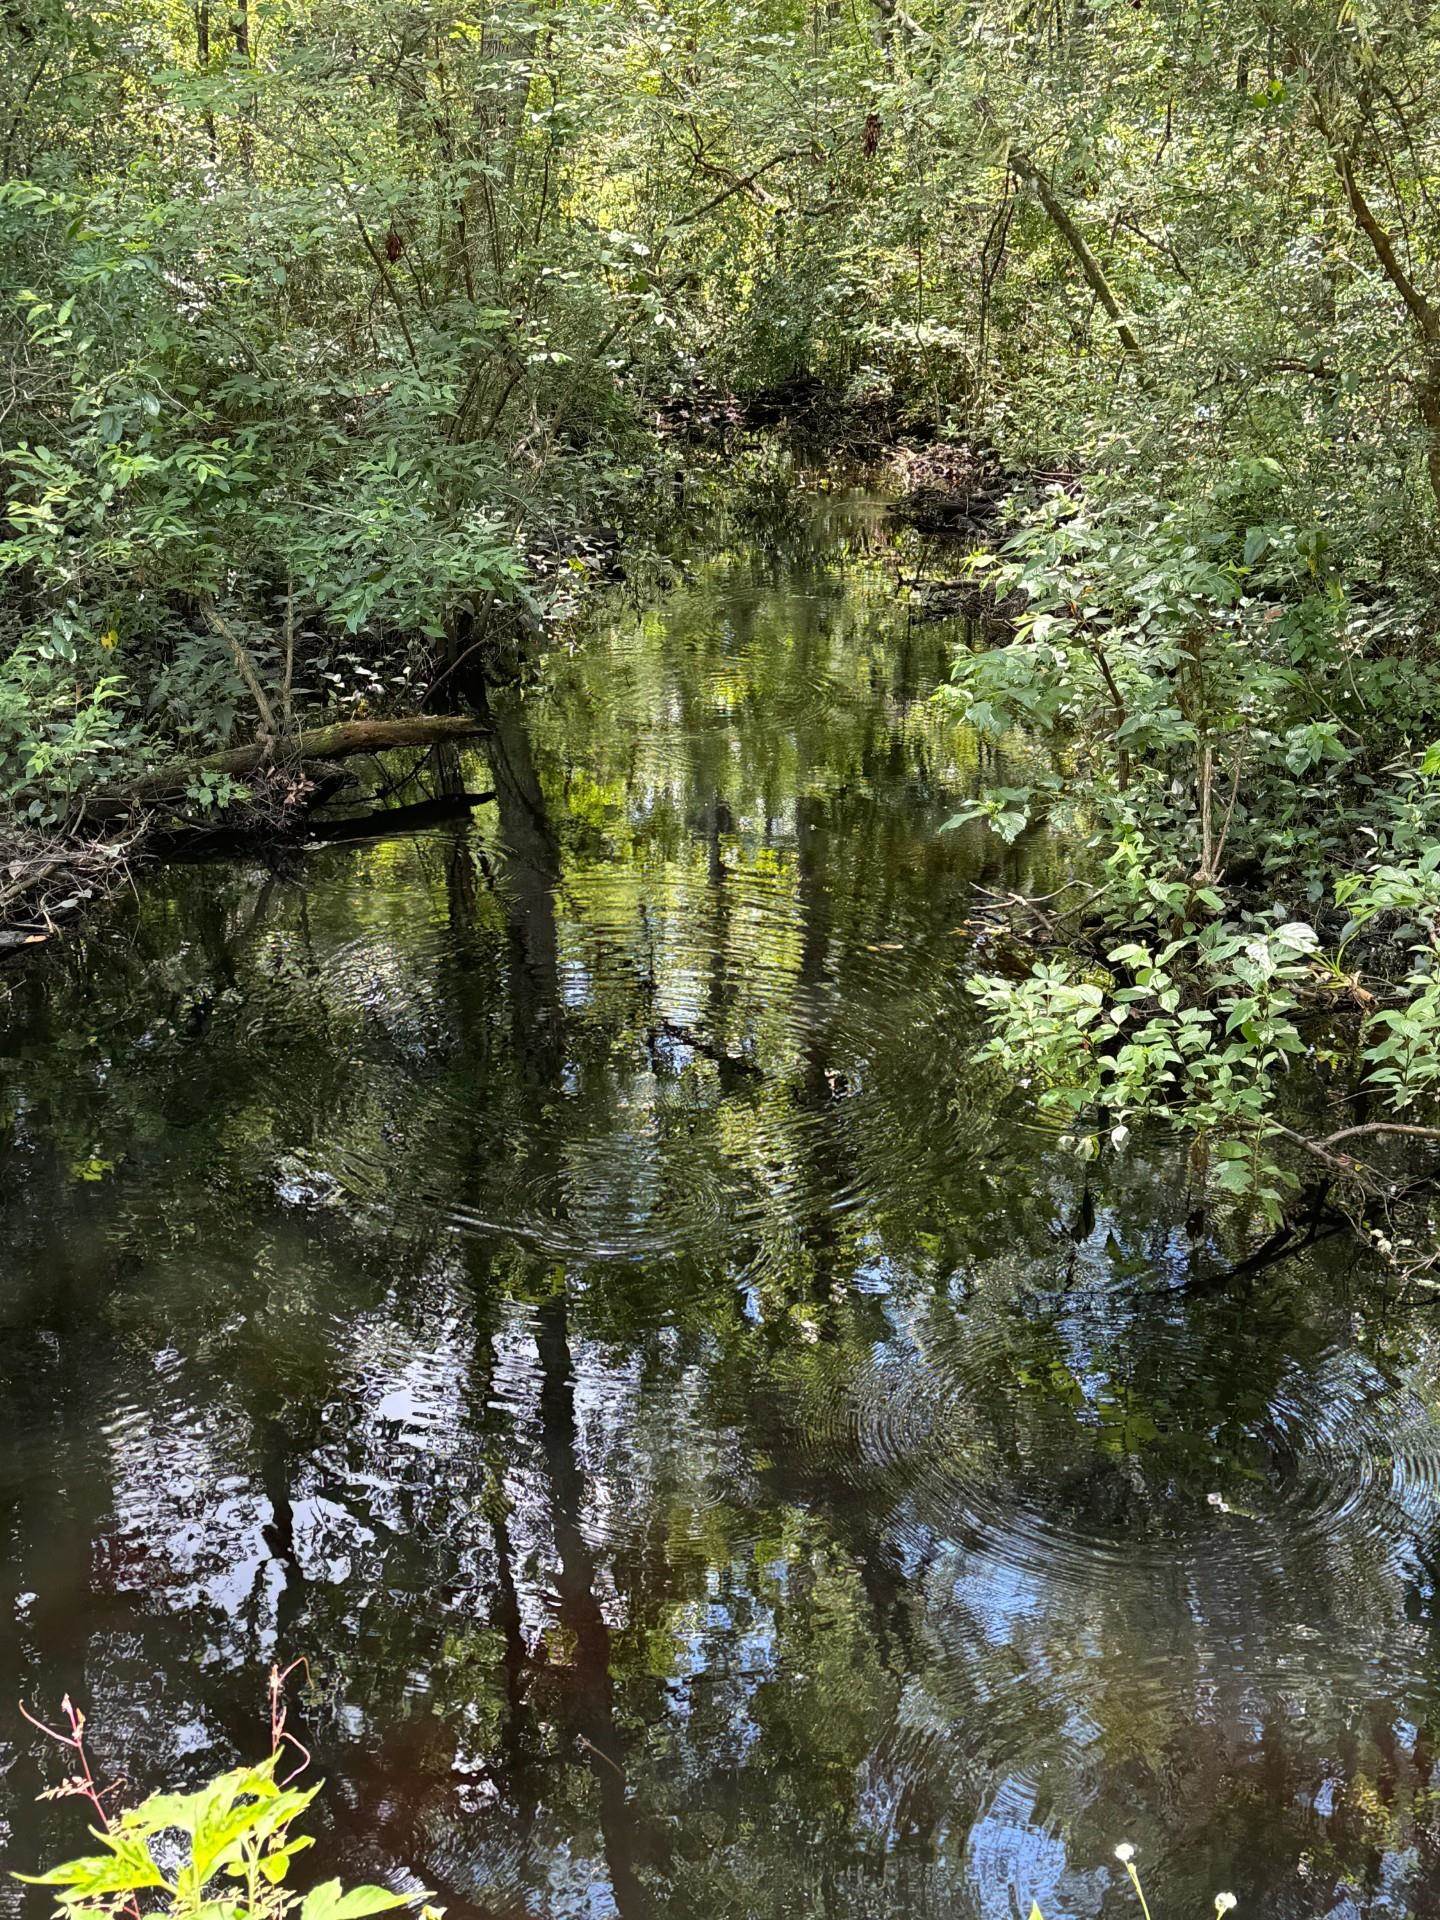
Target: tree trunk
{"type": "Point", "coordinates": [202, 61]}
{"type": "Point", "coordinates": [1427, 395]}
{"type": "Point", "coordinates": [1424, 315]}
{"type": "Point", "coordinates": [1094, 273]}
{"type": "Point", "coordinates": [240, 28]}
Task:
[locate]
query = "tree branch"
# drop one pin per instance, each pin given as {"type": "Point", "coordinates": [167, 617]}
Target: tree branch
{"type": "Point", "coordinates": [1022, 164]}
{"type": "Point", "coordinates": [1381, 1126]}
{"type": "Point", "coordinates": [391, 288]}
{"type": "Point", "coordinates": [1424, 314]}
{"type": "Point", "coordinates": [240, 653]}
{"type": "Point", "coordinates": [738, 186]}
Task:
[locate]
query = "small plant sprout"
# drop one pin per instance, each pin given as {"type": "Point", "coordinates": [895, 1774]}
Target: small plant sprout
{"type": "Point", "coordinates": [1125, 1854]}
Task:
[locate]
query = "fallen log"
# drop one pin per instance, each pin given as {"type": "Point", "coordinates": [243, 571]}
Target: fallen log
{"type": "Point", "coordinates": [41, 886]}
{"type": "Point", "coordinates": [338, 741]}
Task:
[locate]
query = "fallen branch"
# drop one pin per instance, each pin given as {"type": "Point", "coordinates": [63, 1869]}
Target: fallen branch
{"type": "Point", "coordinates": [208, 840]}
{"type": "Point", "coordinates": [42, 885]}
{"type": "Point", "coordinates": [1002, 905]}
{"type": "Point", "coordinates": [1345, 1164]}
{"type": "Point", "coordinates": [1034, 176]}
{"type": "Point", "coordinates": [244, 664]}
{"type": "Point", "coordinates": [1289, 1238]}
{"type": "Point", "coordinates": [338, 741]}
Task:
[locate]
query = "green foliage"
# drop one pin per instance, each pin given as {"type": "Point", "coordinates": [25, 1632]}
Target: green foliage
{"type": "Point", "coordinates": [1229, 749]}
{"type": "Point", "coordinates": [337, 339]}
{"type": "Point", "coordinates": [1148, 641]}
{"type": "Point", "coordinates": [305, 331]}
{"type": "Point", "coordinates": [370, 316]}
{"type": "Point", "coordinates": [223, 1852]}
{"type": "Point", "coordinates": [1197, 1034]}
{"type": "Point", "coordinates": [57, 733]}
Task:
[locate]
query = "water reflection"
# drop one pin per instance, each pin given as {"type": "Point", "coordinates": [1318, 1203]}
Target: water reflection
{"type": "Point", "coordinates": [563, 1273]}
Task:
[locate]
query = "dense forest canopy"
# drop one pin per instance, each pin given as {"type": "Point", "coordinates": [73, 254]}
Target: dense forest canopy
{"type": "Point", "coordinates": [371, 305]}
{"type": "Point", "coordinates": [340, 339]}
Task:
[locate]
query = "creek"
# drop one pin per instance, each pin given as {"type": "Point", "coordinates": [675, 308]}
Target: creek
{"type": "Point", "coordinates": [564, 1273]}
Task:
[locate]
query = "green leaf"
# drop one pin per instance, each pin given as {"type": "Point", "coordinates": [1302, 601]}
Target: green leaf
{"type": "Point", "coordinates": [124, 1869]}
{"type": "Point", "coordinates": [276, 1864]}
{"type": "Point", "coordinates": [327, 1902]}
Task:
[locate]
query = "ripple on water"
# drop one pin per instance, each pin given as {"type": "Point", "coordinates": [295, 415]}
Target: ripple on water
{"type": "Point", "coordinates": [699, 1078]}
{"type": "Point", "coordinates": [1014, 1845]}
{"type": "Point", "coordinates": [1073, 1478]}
{"type": "Point", "coordinates": [964, 1580]}
{"type": "Point", "coordinates": [1203, 1584]}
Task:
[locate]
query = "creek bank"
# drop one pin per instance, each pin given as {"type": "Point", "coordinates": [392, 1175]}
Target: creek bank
{"type": "Point", "coordinates": [959, 497]}
{"type": "Point", "coordinates": [269, 790]}
{"type": "Point", "coordinates": [48, 883]}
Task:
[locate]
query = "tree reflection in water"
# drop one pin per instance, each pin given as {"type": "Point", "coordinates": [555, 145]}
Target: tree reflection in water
{"type": "Point", "coordinates": [563, 1273]}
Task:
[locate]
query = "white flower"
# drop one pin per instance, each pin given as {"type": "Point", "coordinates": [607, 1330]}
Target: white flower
{"type": "Point", "coordinates": [1225, 1903]}
{"type": "Point", "coordinates": [1125, 1853]}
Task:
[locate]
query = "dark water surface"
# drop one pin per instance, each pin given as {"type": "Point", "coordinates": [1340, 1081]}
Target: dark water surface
{"type": "Point", "coordinates": [565, 1274]}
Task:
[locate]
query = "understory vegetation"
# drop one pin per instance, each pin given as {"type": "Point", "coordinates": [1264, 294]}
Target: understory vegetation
{"type": "Point", "coordinates": [342, 345]}
{"type": "Point", "coordinates": [221, 1852]}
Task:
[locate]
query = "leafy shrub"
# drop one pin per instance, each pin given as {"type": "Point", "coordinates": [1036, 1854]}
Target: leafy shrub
{"type": "Point", "coordinates": [227, 1850]}
{"type": "Point", "coordinates": [59, 732]}
{"type": "Point", "coordinates": [1196, 1034]}
{"type": "Point", "coordinates": [223, 1852]}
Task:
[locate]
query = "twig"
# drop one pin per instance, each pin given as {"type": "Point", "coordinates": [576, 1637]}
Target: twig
{"type": "Point", "coordinates": [337, 741]}
{"type": "Point", "coordinates": [590, 1747]}
{"type": "Point", "coordinates": [1206, 875]}
{"type": "Point", "coordinates": [1382, 1126]}
{"type": "Point", "coordinates": [82, 1782]}
{"type": "Point", "coordinates": [739, 186]}
{"type": "Point", "coordinates": [279, 1735]}
{"type": "Point", "coordinates": [1229, 815]}
{"type": "Point", "coordinates": [244, 663]}
{"type": "Point", "coordinates": [1342, 1163]}
{"type": "Point", "coordinates": [287, 705]}
{"type": "Point", "coordinates": [391, 288]}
